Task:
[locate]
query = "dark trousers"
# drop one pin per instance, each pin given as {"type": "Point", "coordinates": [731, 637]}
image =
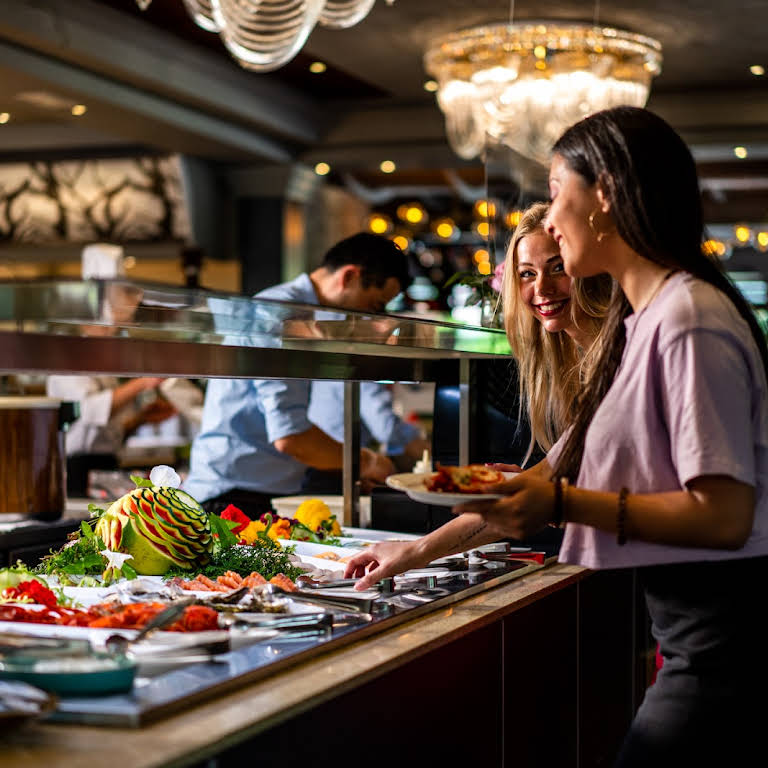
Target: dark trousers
{"type": "Point", "coordinates": [707, 706]}
{"type": "Point", "coordinates": [252, 503]}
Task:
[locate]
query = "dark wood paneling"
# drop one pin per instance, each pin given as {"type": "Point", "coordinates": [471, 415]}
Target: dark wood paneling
{"type": "Point", "coordinates": [540, 656]}
{"type": "Point", "coordinates": [443, 709]}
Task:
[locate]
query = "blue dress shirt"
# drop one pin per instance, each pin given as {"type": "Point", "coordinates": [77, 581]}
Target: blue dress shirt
{"type": "Point", "coordinates": [242, 418]}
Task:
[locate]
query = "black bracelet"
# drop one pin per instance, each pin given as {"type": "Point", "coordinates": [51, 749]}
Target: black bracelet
{"type": "Point", "coordinates": [621, 518]}
{"type": "Point", "coordinates": [557, 509]}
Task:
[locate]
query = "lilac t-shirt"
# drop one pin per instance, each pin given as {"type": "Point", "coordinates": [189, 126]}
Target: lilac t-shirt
{"type": "Point", "coordinates": [689, 399]}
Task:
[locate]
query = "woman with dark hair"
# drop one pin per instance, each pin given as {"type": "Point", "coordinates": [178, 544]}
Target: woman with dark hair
{"type": "Point", "coordinates": [667, 455]}
{"type": "Point", "coordinates": [668, 452]}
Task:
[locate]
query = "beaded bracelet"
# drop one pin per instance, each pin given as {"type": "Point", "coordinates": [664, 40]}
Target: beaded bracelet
{"type": "Point", "coordinates": [621, 518]}
{"type": "Point", "coordinates": [558, 511]}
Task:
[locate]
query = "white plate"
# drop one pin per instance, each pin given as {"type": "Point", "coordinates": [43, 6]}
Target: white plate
{"type": "Point", "coordinates": [414, 484]}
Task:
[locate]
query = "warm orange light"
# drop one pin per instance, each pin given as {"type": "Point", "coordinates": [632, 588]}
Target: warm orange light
{"type": "Point", "coordinates": [485, 209]}
{"type": "Point", "coordinates": [445, 228]}
{"type": "Point", "coordinates": [322, 169]}
{"type": "Point", "coordinates": [4, 117]}
{"type": "Point", "coordinates": [317, 67]}
{"type": "Point", "coordinates": [484, 267]}
{"type": "Point", "coordinates": [401, 242]}
{"type": "Point", "coordinates": [431, 86]}
{"type": "Point", "coordinates": [513, 218]}
{"type": "Point", "coordinates": [379, 224]}
{"type": "Point", "coordinates": [414, 214]}
{"type": "Point", "coordinates": [481, 255]}
{"type": "Point", "coordinates": [742, 233]}
{"type": "Point", "coordinates": [483, 228]}
{"type": "Point", "coordinates": [79, 109]}
{"type": "Point", "coordinates": [762, 239]}
{"type": "Point", "coordinates": [713, 247]}
{"type": "Point", "coordinates": [387, 166]}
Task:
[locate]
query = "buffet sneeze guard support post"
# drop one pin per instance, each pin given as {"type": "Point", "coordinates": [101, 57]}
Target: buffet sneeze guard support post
{"type": "Point", "coordinates": [351, 454]}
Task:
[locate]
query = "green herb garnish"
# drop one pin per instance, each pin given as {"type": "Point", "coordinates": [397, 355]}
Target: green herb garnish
{"type": "Point", "coordinates": [264, 557]}
{"type": "Point", "coordinates": [80, 555]}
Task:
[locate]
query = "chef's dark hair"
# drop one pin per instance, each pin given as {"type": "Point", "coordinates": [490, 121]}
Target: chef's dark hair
{"type": "Point", "coordinates": [649, 176]}
{"type": "Point", "coordinates": [377, 256]}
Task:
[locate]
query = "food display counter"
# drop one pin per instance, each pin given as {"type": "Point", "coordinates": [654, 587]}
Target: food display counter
{"type": "Point", "coordinates": [492, 662]}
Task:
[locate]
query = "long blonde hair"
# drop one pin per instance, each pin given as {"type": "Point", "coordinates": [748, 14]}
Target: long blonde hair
{"type": "Point", "coordinates": [552, 367]}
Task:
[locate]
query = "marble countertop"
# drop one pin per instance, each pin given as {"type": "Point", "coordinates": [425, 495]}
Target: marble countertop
{"type": "Point", "coordinates": [203, 730]}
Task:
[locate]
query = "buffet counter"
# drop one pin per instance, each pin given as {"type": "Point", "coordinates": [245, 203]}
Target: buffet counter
{"type": "Point", "coordinates": [518, 676]}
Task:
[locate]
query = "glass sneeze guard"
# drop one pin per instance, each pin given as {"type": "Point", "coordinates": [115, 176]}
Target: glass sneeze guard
{"type": "Point", "coordinates": [87, 317]}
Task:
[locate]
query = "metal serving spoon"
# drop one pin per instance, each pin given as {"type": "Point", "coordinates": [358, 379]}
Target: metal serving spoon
{"type": "Point", "coordinates": [118, 644]}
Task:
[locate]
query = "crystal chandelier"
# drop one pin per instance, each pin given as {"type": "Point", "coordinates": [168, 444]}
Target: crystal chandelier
{"type": "Point", "coordinates": [522, 84]}
{"type": "Point", "coordinates": [262, 35]}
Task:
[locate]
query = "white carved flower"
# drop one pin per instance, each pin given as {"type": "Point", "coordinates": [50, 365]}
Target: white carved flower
{"type": "Point", "coordinates": [164, 476]}
{"type": "Point", "coordinates": [115, 559]}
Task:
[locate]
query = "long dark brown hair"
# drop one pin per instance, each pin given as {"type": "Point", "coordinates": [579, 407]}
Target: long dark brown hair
{"type": "Point", "coordinates": [649, 176]}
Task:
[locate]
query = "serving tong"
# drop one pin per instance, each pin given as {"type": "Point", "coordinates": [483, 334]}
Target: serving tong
{"type": "Point", "coordinates": [343, 602]}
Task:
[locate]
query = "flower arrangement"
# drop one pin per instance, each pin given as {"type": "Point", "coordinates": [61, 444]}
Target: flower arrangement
{"type": "Point", "coordinates": [313, 522]}
{"type": "Point", "coordinates": [486, 291]}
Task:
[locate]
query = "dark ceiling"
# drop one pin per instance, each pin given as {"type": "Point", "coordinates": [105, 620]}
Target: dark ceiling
{"type": "Point", "coordinates": [153, 79]}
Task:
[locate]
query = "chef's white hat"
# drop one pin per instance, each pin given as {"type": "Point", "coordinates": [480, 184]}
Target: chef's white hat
{"type": "Point", "coordinates": [102, 261]}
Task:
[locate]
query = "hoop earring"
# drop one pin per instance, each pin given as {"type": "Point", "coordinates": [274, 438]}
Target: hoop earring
{"type": "Point", "coordinates": [591, 219]}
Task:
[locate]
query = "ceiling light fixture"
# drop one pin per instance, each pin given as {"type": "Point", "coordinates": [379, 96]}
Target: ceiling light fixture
{"type": "Point", "coordinates": [757, 69]}
{"type": "Point", "coordinates": [387, 166]}
{"type": "Point", "coordinates": [522, 84]}
{"type": "Point", "coordinates": [262, 35]}
{"type": "Point", "coordinates": [317, 67]}
{"type": "Point", "coordinates": [322, 169]}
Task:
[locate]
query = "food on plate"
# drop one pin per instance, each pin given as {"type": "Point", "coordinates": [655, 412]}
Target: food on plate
{"type": "Point", "coordinates": [466, 479]}
{"type": "Point", "coordinates": [196, 618]}
{"type": "Point", "coordinates": [282, 581]}
{"type": "Point", "coordinates": [159, 527]}
{"type": "Point", "coordinates": [327, 556]}
{"type": "Point", "coordinates": [159, 530]}
{"type": "Point", "coordinates": [31, 591]}
{"type": "Point", "coordinates": [231, 580]}
{"type": "Point", "coordinates": [265, 557]}
{"type": "Point", "coordinates": [10, 577]}
{"type": "Point", "coordinates": [335, 557]}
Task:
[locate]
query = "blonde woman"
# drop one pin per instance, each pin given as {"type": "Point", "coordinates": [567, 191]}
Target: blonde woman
{"type": "Point", "coordinates": [552, 323]}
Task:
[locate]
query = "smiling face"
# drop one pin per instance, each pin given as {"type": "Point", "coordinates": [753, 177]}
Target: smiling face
{"type": "Point", "coordinates": [545, 288]}
{"type": "Point", "coordinates": [573, 201]}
